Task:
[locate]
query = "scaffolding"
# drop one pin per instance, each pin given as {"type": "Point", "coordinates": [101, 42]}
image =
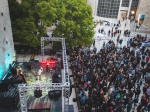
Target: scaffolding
{"type": "Point", "coordinates": [64, 86]}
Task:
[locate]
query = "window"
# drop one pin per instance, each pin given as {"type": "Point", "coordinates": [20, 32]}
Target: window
{"type": "Point", "coordinates": [4, 28]}
{"type": "Point", "coordinates": [125, 3]}
{"type": "Point", "coordinates": [108, 8]}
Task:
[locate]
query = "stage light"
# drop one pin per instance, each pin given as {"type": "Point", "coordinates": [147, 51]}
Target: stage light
{"type": "Point", "coordinates": [50, 62]}
{"type": "Point", "coordinates": [38, 93]}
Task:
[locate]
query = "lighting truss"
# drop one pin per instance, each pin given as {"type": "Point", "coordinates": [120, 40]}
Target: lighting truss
{"type": "Point", "coordinates": [64, 86]}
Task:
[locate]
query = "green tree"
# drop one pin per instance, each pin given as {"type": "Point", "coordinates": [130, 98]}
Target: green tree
{"type": "Point", "coordinates": [26, 26]}
{"type": "Point", "coordinates": [75, 20]}
{"type": "Point", "coordinates": [31, 17]}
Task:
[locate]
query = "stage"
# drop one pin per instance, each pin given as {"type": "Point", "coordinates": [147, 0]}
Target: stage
{"type": "Point", "coordinates": [44, 103]}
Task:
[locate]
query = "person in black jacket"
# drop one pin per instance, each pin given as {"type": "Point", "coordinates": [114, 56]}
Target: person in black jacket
{"type": "Point", "coordinates": [143, 63]}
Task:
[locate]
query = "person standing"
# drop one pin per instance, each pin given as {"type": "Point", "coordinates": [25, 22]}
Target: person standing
{"type": "Point", "coordinates": [123, 18]}
{"type": "Point", "coordinates": [120, 32]}
{"type": "Point", "coordinates": [112, 34]}
{"type": "Point", "coordinates": [120, 42]}
{"type": "Point", "coordinates": [94, 43]}
{"type": "Point", "coordinates": [50, 51]}
{"type": "Point", "coordinates": [125, 24]}
{"type": "Point", "coordinates": [99, 31]}
{"type": "Point", "coordinates": [109, 33]}
{"type": "Point", "coordinates": [119, 22]}
{"type": "Point", "coordinates": [21, 76]}
{"type": "Point", "coordinates": [47, 65]}
{"type": "Point", "coordinates": [128, 33]}
{"type": "Point", "coordinates": [40, 71]}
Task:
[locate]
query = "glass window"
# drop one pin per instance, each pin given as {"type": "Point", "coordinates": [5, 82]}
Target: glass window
{"type": "Point", "coordinates": [108, 8]}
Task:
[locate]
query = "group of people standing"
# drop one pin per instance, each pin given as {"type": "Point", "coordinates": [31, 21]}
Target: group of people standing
{"type": "Point", "coordinates": [115, 30]}
{"type": "Point", "coordinates": [112, 79]}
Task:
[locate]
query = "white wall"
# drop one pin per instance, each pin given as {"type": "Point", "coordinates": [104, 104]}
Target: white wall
{"type": "Point", "coordinates": [93, 4]}
{"type": "Point", "coordinates": [6, 40]}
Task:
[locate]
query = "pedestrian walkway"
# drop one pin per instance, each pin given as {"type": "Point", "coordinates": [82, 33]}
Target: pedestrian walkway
{"type": "Point", "coordinates": [101, 38]}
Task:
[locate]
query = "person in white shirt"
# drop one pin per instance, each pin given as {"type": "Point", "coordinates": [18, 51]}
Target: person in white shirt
{"type": "Point", "coordinates": [40, 71]}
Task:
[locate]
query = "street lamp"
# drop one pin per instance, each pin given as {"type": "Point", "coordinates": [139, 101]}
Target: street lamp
{"type": "Point", "coordinates": [132, 12]}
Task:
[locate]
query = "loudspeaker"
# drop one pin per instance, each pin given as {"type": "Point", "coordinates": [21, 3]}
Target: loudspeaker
{"type": "Point", "coordinates": [36, 60]}
{"type": "Point", "coordinates": [37, 93]}
{"type": "Point", "coordinates": [74, 99]}
{"type": "Point", "coordinates": [54, 94]}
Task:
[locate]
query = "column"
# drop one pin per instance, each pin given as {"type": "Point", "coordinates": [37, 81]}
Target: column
{"type": "Point", "coordinates": [130, 3]}
{"type": "Point", "coordinates": [96, 5]}
{"type": "Point", "coordinates": [119, 10]}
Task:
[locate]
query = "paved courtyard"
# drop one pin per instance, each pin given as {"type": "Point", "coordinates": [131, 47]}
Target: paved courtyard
{"type": "Point", "coordinates": [99, 39]}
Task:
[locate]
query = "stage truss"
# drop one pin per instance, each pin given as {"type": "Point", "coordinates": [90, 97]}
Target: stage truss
{"type": "Point", "coordinates": [64, 86]}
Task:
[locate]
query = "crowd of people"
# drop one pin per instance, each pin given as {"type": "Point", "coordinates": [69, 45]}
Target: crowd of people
{"type": "Point", "coordinates": [113, 79]}
{"type": "Point", "coordinates": [115, 30]}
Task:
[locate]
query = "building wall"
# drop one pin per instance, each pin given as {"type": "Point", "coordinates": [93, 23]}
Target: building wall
{"type": "Point", "coordinates": [108, 8]}
{"type": "Point", "coordinates": [125, 3]}
{"type": "Point", "coordinates": [144, 8]}
{"type": "Point", "coordinates": [93, 4]}
{"type": "Point", "coordinates": [6, 40]}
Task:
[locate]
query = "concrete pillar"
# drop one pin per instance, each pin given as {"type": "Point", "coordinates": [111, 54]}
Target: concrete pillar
{"type": "Point", "coordinates": [130, 3]}
{"type": "Point", "coordinates": [6, 39]}
{"type": "Point", "coordinates": [119, 10]}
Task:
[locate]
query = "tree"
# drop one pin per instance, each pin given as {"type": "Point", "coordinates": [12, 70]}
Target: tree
{"type": "Point", "coordinates": [31, 17]}
{"type": "Point", "coordinates": [25, 22]}
{"type": "Point", "coordinates": [75, 20]}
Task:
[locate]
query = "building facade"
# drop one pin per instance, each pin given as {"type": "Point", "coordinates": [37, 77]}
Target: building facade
{"type": "Point", "coordinates": [114, 8]}
{"type": "Point", "coordinates": [108, 8]}
{"type": "Point", "coordinates": [6, 39]}
{"type": "Point", "coordinates": [143, 13]}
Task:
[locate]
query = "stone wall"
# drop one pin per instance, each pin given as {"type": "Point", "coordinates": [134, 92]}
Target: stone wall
{"type": "Point", "coordinates": [144, 8]}
{"type": "Point", "coordinates": [6, 40]}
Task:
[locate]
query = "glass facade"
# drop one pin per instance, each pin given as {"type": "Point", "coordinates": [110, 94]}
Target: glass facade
{"type": "Point", "coordinates": [133, 9]}
{"type": "Point", "coordinates": [125, 3]}
{"type": "Point", "coordinates": [134, 5]}
{"type": "Point", "coordinates": [108, 8]}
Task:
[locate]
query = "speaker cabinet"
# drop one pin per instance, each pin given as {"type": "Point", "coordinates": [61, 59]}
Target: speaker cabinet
{"type": "Point", "coordinates": [54, 94]}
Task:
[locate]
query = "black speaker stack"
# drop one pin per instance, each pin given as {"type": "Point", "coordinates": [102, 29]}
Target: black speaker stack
{"type": "Point", "coordinates": [55, 94]}
{"type": "Point", "coordinates": [37, 93]}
